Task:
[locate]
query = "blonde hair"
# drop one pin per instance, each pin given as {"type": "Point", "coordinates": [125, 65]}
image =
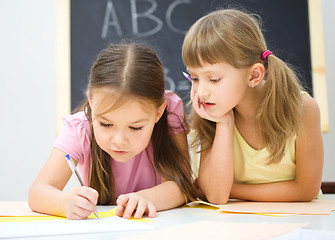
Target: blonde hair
{"type": "Point", "coordinates": [234, 37]}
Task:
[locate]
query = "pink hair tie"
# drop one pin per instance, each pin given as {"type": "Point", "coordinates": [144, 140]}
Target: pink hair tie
{"type": "Point", "coordinates": [265, 54]}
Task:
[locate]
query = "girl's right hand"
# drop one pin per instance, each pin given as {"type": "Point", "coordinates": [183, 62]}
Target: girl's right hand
{"type": "Point", "coordinates": [81, 202]}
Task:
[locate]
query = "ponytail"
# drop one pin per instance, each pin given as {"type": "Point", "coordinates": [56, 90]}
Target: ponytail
{"type": "Point", "coordinates": [280, 113]}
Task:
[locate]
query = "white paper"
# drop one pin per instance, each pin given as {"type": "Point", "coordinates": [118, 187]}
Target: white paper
{"type": "Point", "coordinates": [307, 234]}
{"type": "Point", "coordinates": [61, 227]}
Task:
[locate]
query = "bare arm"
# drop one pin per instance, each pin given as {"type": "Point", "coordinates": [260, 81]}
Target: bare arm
{"type": "Point", "coordinates": [216, 170]}
{"type": "Point", "coordinates": [309, 164]}
{"type": "Point", "coordinates": [46, 196]}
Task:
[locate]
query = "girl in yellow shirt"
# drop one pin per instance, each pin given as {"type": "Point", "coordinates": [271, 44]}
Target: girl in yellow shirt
{"type": "Point", "coordinates": [260, 137]}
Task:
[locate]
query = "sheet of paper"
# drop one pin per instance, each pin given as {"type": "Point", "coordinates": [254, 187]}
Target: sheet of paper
{"type": "Point", "coordinates": [201, 202]}
{"type": "Point", "coordinates": [307, 234]}
{"type": "Point", "coordinates": [315, 207]}
{"type": "Point", "coordinates": [219, 230]}
{"type": "Point", "coordinates": [16, 208]}
{"type": "Point", "coordinates": [61, 227]}
{"type": "Point", "coordinates": [21, 212]}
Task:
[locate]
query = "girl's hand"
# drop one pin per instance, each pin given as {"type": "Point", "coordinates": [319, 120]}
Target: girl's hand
{"type": "Point", "coordinates": [201, 111]}
{"type": "Point", "coordinates": [81, 202]}
{"type": "Point", "coordinates": [127, 204]}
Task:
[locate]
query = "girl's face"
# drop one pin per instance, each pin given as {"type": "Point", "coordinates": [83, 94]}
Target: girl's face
{"type": "Point", "coordinates": [126, 131]}
{"type": "Point", "coordinates": [218, 88]}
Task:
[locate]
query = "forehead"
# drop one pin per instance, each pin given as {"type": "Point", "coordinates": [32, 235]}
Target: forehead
{"type": "Point", "coordinates": [103, 102]}
{"type": "Point", "coordinates": [209, 68]}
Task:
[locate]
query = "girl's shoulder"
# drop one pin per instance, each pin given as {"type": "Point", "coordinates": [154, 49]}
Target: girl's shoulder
{"type": "Point", "coordinates": [173, 102]}
{"type": "Point", "coordinates": [78, 124]}
{"type": "Point", "coordinates": [76, 119]}
{"type": "Point", "coordinates": [75, 136]}
{"type": "Point", "coordinates": [310, 106]}
{"type": "Point", "coordinates": [176, 112]}
{"type": "Point", "coordinates": [311, 112]}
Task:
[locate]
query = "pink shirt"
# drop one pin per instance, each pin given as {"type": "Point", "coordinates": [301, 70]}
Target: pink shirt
{"type": "Point", "coordinates": [136, 174]}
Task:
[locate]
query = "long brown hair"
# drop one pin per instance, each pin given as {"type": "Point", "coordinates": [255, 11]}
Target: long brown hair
{"type": "Point", "coordinates": [234, 37]}
{"type": "Point", "coordinates": [129, 71]}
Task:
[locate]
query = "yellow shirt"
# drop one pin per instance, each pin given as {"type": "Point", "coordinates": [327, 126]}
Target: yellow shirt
{"type": "Point", "coordinates": [250, 165]}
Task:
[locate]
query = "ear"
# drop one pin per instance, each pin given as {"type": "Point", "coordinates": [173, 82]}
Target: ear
{"type": "Point", "coordinates": [160, 111]}
{"type": "Point", "coordinates": [257, 74]}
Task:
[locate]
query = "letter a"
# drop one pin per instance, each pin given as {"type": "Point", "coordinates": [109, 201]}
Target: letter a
{"type": "Point", "coordinates": [110, 13]}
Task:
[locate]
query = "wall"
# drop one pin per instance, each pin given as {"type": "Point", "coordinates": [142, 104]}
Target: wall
{"type": "Point", "coordinates": [28, 95]}
{"type": "Point", "coordinates": [328, 8]}
{"type": "Point", "coordinates": [28, 91]}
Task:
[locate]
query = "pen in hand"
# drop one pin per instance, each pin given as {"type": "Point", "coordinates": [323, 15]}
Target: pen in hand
{"type": "Point", "coordinates": [76, 174]}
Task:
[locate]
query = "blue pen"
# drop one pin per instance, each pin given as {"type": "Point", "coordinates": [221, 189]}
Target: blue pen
{"type": "Point", "coordinates": [76, 174]}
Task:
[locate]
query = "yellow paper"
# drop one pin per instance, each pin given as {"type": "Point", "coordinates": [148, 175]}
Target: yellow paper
{"type": "Point", "coordinates": [21, 212]}
{"type": "Point", "coordinates": [112, 213]}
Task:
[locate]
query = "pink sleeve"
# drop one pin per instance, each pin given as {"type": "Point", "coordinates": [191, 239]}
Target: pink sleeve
{"type": "Point", "coordinates": [176, 113]}
{"type": "Point", "coordinates": [74, 139]}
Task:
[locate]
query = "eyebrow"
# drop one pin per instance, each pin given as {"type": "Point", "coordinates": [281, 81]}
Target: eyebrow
{"type": "Point", "coordinates": [135, 122]}
{"type": "Point", "coordinates": [205, 72]}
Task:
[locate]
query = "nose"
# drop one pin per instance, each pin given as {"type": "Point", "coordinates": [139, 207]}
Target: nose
{"type": "Point", "coordinates": [202, 90]}
{"type": "Point", "coordinates": [119, 139]}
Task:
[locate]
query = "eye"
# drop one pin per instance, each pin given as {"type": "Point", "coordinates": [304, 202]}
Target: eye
{"type": "Point", "coordinates": [215, 80]}
{"type": "Point", "coordinates": [195, 79]}
{"type": "Point", "coordinates": [136, 128]}
{"type": "Point", "coordinates": [105, 125]}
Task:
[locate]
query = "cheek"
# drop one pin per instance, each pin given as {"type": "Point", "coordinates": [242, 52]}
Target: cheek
{"type": "Point", "coordinates": [100, 137]}
{"type": "Point", "coordinates": [142, 139]}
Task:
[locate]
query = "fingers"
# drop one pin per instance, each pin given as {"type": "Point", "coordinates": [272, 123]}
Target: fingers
{"type": "Point", "coordinates": [143, 207]}
{"type": "Point", "coordinates": [121, 202]}
{"type": "Point", "coordinates": [199, 108]}
{"type": "Point", "coordinates": [81, 203]}
{"type": "Point", "coordinates": [89, 198]}
{"type": "Point", "coordinates": [130, 204]}
{"type": "Point", "coordinates": [202, 112]}
{"type": "Point", "coordinates": [151, 210]}
{"type": "Point", "coordinates": [130, 208]}
{"type": "Point", "coordinates": [192, 93]}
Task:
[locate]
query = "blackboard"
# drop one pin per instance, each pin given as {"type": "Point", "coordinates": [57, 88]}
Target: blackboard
{"type": "Point", "coordinates": [163, 24]}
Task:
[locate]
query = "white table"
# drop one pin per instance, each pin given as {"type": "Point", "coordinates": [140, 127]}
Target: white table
{"type": "Point", "coordinates": [186, 215]}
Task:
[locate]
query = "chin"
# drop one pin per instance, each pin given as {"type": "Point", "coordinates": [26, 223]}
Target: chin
{"type": "Point", "coordinates": [121, 159]}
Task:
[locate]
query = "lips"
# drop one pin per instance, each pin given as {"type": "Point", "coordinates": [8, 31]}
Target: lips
{"type": "Point", "coordinates": [120, 152]}
{"type": "Point", "coordinates": [207, 105]}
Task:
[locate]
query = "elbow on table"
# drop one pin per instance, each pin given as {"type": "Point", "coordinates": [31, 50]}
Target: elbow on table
{"type": "Point", "coordinates": [310, 196]}
{"type": "Point", "coordinates": [217, 198]}
{"type": "Point", "coordinates": [32, 198]}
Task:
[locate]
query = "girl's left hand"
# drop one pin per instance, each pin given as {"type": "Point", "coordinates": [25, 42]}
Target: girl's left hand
{"type": "Point", "coordinates": [201, 111]}
{"type": "Point", "coordinates": [133, 203]}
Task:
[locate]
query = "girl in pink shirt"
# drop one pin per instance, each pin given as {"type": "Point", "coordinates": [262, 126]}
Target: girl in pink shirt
{"type": "Point", "coordinates": [129, 143]}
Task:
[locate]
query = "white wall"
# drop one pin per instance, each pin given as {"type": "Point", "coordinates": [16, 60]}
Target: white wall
{"type": "Point", "coordinates": [28, 91]}
{"type": "Point", "coordinates": [328, 9]}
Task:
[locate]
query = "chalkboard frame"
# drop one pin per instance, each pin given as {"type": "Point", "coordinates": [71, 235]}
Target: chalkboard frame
{"type": "Point", "coordinates": [63, 49]}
